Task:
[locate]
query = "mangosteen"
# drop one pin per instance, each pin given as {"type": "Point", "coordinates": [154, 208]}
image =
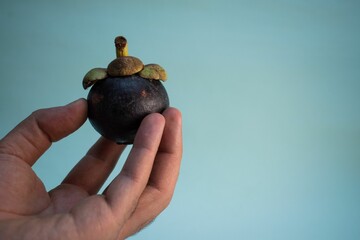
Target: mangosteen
{"type": "Point", "coordinates": [123, 94]}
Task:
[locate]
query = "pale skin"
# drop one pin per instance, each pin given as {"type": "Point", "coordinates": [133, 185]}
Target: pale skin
{"type": "Point", "coordinates": [75, 209]}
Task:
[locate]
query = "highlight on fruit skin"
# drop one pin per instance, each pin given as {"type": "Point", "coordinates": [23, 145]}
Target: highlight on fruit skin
{"type": "Point", "coordinates": [122, 94]}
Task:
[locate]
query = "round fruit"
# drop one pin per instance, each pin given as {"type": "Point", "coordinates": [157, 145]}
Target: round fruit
{"type": "Point", "coordinates": [117, 105]}
{"type": "Point", "coordinates": [123, 94]}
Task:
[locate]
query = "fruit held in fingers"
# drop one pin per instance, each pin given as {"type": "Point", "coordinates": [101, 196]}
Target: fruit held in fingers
{"type": "Point", "coordinates": [123, 94]}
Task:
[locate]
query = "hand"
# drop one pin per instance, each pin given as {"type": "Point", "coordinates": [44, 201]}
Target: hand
{"type": "Point", "coordinates": [74, 210]}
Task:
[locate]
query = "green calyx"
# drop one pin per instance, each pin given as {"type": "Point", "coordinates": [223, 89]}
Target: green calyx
{"type": "Point", "coordinates": [124, 65]}
{"type": "Point", "coordinates": [94, 75]}
{"type": "Point", "coordinates": [154, 72]}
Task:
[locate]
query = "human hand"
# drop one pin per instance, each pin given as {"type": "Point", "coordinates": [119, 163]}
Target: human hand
{"type": "Point", "coordinates": [74, 210]}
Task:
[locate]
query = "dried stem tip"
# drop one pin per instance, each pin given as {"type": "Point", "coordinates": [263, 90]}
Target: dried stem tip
{"type": "Point", "coordinates": [121, 46]}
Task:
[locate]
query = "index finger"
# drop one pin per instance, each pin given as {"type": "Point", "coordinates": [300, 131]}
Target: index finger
{"type": "Point", "coordinates": [164, 174]}
{"type": "Point", "coordinates": [125, 190]}
{"type": "Point", "coordinates": [167, 163]}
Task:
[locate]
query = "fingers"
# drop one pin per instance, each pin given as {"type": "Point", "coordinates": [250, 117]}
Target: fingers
{"type": "Point", "coordinates": [163, 178]}
{"type": "Point", "coordinates": [95, 167]}
{"type": "Point", "coordinates": [167, 163]}
{"type": "Point", "coordinates": [123, 193]}
{"type": "Point", "coordinates": [146, 183]}
{"type": "Point", "coordinates": [33, 136]}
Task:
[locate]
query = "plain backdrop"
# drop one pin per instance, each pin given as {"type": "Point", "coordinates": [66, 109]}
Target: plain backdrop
{"type": "Point", "coordinates": [269, 91]}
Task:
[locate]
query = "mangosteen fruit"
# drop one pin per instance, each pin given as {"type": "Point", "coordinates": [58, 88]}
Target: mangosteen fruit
{"type": "Point", "coordinates": [122, 94]}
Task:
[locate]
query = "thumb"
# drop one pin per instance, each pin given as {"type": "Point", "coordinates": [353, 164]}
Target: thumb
{"type": "Point", "coordinates": [33, 136]}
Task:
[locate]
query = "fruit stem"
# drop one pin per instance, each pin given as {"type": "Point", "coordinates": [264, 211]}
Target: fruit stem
{"type": "Point", "coordinates": [121, 46]}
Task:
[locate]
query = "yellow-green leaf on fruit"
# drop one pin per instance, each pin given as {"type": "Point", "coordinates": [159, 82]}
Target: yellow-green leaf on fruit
{"type": "Point", "coordinates": [153, 71]}
{"type": "Point", "coordinates": [94, 75]}
{"type": "Point", "coordinates": [124, 66]}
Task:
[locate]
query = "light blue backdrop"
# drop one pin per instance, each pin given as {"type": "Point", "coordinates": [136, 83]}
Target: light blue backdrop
{"type": "Point", "coordinates": [270, 95]}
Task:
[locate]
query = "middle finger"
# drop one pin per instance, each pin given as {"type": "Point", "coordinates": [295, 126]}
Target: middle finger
{"type": "Point", "coordinates": [93, 169]}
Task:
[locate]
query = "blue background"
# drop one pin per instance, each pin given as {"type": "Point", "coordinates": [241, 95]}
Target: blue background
{"type": "Point", "coordinates": [269, 91]}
